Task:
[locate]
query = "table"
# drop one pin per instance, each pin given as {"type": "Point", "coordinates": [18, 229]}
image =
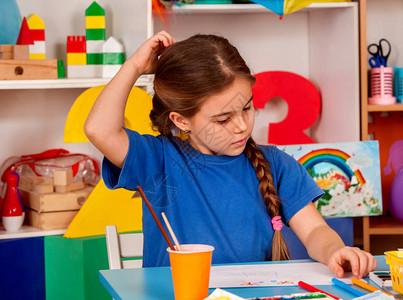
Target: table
{"type": "Point", "coordinates": [156, 284]}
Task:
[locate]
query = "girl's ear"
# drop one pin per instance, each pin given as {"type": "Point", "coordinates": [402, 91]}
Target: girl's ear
{"type": "Point", "coordinates": [180, 121]}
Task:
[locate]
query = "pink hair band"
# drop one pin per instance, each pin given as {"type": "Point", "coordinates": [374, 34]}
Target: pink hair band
{"type": "Point", "coordinates": [277, 224]}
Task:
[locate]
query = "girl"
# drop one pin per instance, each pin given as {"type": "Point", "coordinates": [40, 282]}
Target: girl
{"type": "Point", "coordinates": [216, 186]}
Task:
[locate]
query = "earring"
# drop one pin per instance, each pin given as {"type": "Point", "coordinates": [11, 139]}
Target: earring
{"type": "Point", "coordinates": [187, 131]}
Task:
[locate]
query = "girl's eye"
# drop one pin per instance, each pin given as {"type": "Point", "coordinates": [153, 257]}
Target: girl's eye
{"type": "Point", "coordinates": [247, 108]}
{"type": "Point", "coordinates": [222, 122]}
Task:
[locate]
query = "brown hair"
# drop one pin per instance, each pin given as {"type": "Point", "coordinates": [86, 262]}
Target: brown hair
{"type": "Point", "coordinates": [186, 74]}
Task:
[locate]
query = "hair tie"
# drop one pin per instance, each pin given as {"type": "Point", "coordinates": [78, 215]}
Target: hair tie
{"type": "Point", "coordinates": [277, 224]}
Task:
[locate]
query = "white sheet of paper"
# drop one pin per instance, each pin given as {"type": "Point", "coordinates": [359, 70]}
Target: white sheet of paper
{"type": "Point", "coordinates": [283, 274]}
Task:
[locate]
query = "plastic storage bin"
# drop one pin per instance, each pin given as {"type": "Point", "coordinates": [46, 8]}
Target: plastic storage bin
{"type": "Point", "coordinates": [395, 261]}
{"type": "Point", "coordinates": [381, 86]}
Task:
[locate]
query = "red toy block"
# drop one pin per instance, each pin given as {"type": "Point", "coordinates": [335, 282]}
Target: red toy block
{"type": "Point", "coordinates": [76, 44]}
{"type": "Point", "coordinates": [25, 36]}
{"type": "Point", "coordinates": [38, 34]}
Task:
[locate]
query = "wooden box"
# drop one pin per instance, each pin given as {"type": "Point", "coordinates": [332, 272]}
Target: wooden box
{"type": "Point", "coordinates": [53, 210]}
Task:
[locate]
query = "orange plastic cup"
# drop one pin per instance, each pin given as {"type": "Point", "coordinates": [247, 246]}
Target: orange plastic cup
{"type": "Point", "coordinates": [190, 269]}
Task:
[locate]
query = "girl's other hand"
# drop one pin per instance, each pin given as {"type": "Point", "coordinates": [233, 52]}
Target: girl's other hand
{"type": "Point", "coordinates": [145, 58]}
{"type": "Point", "coordinates": [352, 259]}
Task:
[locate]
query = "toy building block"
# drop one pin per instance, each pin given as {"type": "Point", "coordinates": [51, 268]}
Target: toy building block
{"type": "Point", "coordinates": [95, 22]}
{"type": "Point", "coordinates": [39, 184]}
{"type": "Point", "coordinates": [28, 69]}
{"type": "Point", "coordinates": [6, 51]}
{"type": "Point", "coordinates": [113, 53]}
{"type": "Point", "coordinates": [25, 36]}
{"type": "Point", "coordinates": [76, 50]}
{"type": "Point", "coordinates": [21, 51]}
{"type": "Point", "coordinates": [60, 69]}
{"type": "Point", "coordinates": [37, 28]}
{"type": "Point", "coordinates": [94, 52]}
{"type": "Point", "coordinates": [76, 44]}
{"type": "Point", "coordinates": [70, 187]}
{"type": "Point", "coordinates": [113, 57]}
{"type": "Point", "coordinates": [63, 177]}
{"type": "Point", "coordinates": [84, 71]}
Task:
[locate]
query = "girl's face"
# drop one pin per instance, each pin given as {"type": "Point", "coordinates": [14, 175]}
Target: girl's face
{"type": "Point", "coordinates": [225, 121]}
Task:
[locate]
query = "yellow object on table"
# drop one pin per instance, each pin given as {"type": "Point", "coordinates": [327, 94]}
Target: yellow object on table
{"type": "Point", "coordinates": [395, 261]}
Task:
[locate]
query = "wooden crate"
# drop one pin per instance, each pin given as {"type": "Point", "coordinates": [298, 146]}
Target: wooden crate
{"type": "Point", "coordinates": [49, 220]}
{"type": "Point", "coordinates": [55, 201]}
{"type": "Point", "coordinates": [53, 210]}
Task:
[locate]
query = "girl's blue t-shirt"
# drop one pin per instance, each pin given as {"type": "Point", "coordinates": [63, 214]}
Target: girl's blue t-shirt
{"type": "Point", "coordinates": [208, 199]}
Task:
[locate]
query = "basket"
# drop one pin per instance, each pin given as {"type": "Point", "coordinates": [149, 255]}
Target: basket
{"type": "Point", "coordinates": [398, 84]}
{"type": "Point", "coordinates": [395, 261]}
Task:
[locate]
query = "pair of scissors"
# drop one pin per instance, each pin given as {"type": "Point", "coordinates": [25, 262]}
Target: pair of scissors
{"type": "Point", "coordinates": [382, 49]}
{"type": "Point", "coordinates": [377, 62]}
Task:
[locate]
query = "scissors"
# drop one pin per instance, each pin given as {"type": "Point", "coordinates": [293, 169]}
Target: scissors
{"type": "Point", "coordinates": [379, 50]}
{"type": "Point", "coordinates": [377, 62]}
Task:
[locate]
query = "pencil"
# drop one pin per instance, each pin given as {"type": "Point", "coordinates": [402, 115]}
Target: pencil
{"type": "Point", "coordinates": [367, 286]}
{"type": "Point", "coordinates": [348, 288]}
{"type": "Point", "coordinates": [311, 288]}
{"type": "Point", "coordinates": [178, 247]}
{"type": "Point", "coordinates": [164, 233]}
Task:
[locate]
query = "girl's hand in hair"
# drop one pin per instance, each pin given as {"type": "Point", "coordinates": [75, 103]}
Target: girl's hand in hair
{"type": "Point", "coordinates": [351, 259]}
{"type": "Point", "coordinates": [145, 57]}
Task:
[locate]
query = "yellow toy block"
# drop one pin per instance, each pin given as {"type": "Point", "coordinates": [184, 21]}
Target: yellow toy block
{"type": "Point", "coordinates": [37, 56]}
{"type": "Point", "coordinates": [35, 22]}
{"type": "Point", "coordinates": [95, 22]}
{"type": "Point", "coordinates": [76, 58]}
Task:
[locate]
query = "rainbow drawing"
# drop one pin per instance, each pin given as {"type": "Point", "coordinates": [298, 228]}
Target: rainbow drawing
{"type": "Point", "coordinates": [333, 156]}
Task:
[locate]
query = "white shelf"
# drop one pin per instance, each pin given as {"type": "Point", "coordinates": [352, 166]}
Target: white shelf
{"type": "Point", "coordinates": [63, 83]}
{"type": "Point", "coordinates": [27, 231]}
{"type": "Point", "coordinates": [246, 8]}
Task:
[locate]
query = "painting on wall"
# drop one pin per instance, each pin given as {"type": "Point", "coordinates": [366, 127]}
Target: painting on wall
{"type": "Point", "coordinates": [348, 173]}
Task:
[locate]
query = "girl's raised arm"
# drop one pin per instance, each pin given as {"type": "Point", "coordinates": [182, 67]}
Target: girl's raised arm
{"type": "Point", "coordinates": [104, 124]}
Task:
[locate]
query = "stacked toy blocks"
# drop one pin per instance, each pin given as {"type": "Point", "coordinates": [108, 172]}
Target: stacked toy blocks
{"type": "Point", "coordinates": [103, 58]}
{"type": "Point", "coordinates": [27, 59]}
{"type": "Point", "coordinates": [37, 29]}
{"type": "Point", "coordinates": [52, 202]}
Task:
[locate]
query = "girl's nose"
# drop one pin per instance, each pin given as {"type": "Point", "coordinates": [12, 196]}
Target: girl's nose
{"type": "Point", "coordinates": [240, 124]}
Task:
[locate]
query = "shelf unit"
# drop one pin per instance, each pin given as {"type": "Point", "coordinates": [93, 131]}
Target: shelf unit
{"type": "Point", "coordinates": [375, 225]}
{"type": "Point", "coordinates": [33, 112]}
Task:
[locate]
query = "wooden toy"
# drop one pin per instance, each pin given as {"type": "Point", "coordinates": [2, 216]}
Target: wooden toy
{"type": "Point", "coordinates": [21, 51]}
{"type": "Point", "coordinates": [37, 29]}
{"type": "Point", "coordinates": [26, 59]}
{"type": "Point", "coordinates": [25, 36]}
{"type": "Point", "coordinates": [53, 210]}
{"type": "Point", "coordinates": [28, 69]}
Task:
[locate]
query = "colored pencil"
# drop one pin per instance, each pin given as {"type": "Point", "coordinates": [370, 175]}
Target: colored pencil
{"type": "Point", "coordinates": [164, 233]}
{"type": "Point", "coordinates": [311, 288]}
{"type": "Point", "coordinates": [348, 288]}
{"type": "Point", "coordinates": [178, 247]}
{"type": "Point", "coordinates": [367, 286]}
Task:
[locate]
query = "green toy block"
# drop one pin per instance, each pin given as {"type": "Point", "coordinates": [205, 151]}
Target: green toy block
{"type": "Point", "coordinates": [113, 58]}
{"type": "Point", "coordinates": [60, 69]}
{"type": "Point", "coordinates": [72, 267]}
{"type": "Point", "coordinates": [95, 34]}
{"type": "Point", "coordinates": [95, 10]}
{"type": "Point", "coordinates": [94, 58]}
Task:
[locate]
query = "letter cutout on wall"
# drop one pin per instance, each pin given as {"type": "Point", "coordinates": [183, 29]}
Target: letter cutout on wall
{"type": "Point", "coordinates": [303, 101]}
